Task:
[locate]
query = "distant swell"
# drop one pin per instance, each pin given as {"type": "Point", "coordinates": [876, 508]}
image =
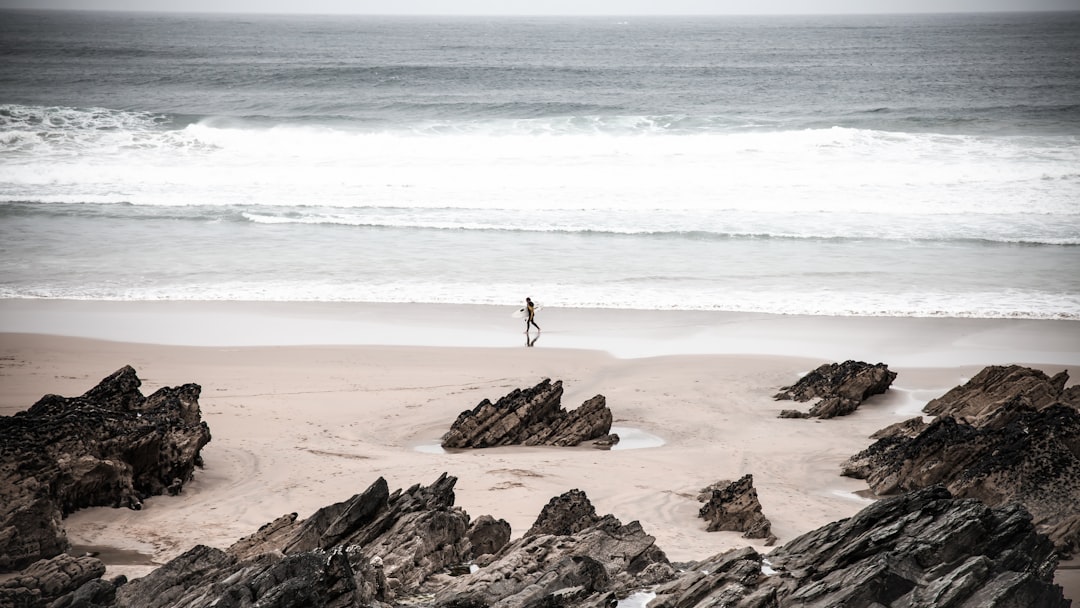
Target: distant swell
{"type": "Point", "coordinates": [687, 226]}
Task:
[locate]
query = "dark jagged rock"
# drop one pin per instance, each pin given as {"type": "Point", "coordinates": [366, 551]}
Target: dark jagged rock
{"type": "Point", "coordinates": [488, 535]}
{"type": "Point", "coordinates": [110, 447]}
{"type": "Point", "coordinates": [360, 552]}
{"type": "Point", "coordinates": [532, 416]}
{"type": "Point", "coordinates": [1010, 434]}
{"type": "Point", "coordinates": [919, 550]}
{"type": "Point", "coordinates": [1015, 454]}
{"type": "Point", "coordinates": [565, 514]}
{"type": "Point", "coordinates": [570, 557]}
{"type": "Point", "coordinates": [839, 388]}
{"type": "Point", "coordinates": [47, 580]}
{"type": "Point", "coordinates": [381, 549]}
{"type": "Point", "coordinates": [996, 385]}
{"type": "Point", "coordinates": [204, 576]}
{"type": "Point", "coordinates": [95, 593]}
{"type": "Point", "coordinates": [728, 579]}
{"type": "Point", "coordinates": [733, 506]}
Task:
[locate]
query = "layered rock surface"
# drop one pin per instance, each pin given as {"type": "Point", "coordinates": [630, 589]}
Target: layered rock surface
{"type": "Point", "coordinates": [48, 580]}
{"type": "Point", "coordinates": [532, 416]}
{"type": "Point", "coordinates": [1006, 436]}
{"type": "Point", "coordinates": [569, 557]}
{"type": "Point", "coordinates": [110, 447]}
{"type": "Point", "coordinates": [381, 549]}
{"type": "Point", "coordinates": [839, 388]}
{"type": "Point", "coordinates": [366, 551]}
{"type": "Point", "coordinates": [997, 385]}
{"type": "Point", "coordinates": [414, 547]}
{"type": "Point", "coordinates": [734, 506]}
{"type": "Point", "coordinates": [920, 550]}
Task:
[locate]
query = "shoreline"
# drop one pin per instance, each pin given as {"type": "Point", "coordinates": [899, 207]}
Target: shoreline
{"type": "Point", "coordinates": [298, 426]}
{"type": "Point", "coordinates": [623, 333]}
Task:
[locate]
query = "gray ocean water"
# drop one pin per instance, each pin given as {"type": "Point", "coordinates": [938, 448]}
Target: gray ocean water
{"type": "Point", "coordinates": [890, 165]}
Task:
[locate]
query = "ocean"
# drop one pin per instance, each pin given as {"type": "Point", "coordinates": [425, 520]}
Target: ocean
{"type": "Point", "coordinates": [906, 165]}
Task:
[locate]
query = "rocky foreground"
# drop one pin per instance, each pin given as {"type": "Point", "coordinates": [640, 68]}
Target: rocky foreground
{"type": "Point", "coordinates": [958, 533]}
{"type": "Point", "coordinates": [1009, 435]}
{"type": "Point", "coordinates": [415, 548]}
{"type": "Point", "coordinates": [110, 447]}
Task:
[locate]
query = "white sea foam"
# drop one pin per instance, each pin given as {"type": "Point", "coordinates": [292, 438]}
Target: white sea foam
{"type": "Point", "coordinates": [619, 212]}
{"type": "Point", "coordinates": [95, 154]}
{"type": "Point", "coordinates": [578, 295]}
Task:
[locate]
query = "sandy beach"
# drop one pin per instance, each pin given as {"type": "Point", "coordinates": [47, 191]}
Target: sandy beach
{"type": "Point", "coordinates": [309, 403]}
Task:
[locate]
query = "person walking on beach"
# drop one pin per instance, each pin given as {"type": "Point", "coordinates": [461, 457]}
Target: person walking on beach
{"type": "Point", "coordinates": [530, 315]}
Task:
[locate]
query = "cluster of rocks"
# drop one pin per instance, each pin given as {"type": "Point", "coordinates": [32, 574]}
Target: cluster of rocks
{"type": "Point", "coordinates": [60, 581]}
{"type": "Point", "coordinates": [920, 550]}
{"type": "Point", "coordinates": [110, 447]}
{"type": "Point", "coordinates": [838, 387]}
{"type": "Point", "coordinates": [531, 416]}
{"type": "Point", "coordinates": [570, 556]}
{"type": "Point", "coordinates": [734, 506]}
{"type": "Point", "coordinates": [954, 536]}
{"type": "Point", "coordinates": [415, 548]}
{"type": "Point", "coordinates": [380, 549]}
{"type": "Point", "coordinates": [1010, 434]}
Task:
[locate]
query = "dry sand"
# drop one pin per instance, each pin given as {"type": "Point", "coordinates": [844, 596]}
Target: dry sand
{"type": "Point", "coordinates": [296, 427]}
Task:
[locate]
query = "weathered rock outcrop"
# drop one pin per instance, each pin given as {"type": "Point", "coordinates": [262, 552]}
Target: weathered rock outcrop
{"type": "Point", "coordinates": [488, 535]}
{"type": "Point", "coordinates": [734, 506]}
{"type": "Point", "coordinates": [379, 549]}
{"type": "Point", "coordinates": [1024, 450]}
{"type": "Point", "coordinates": [47, 580]}
{"type": "Point", "coordinates": [369, 549]}
{"type": "Point", "coordinates": [110, 447]}
{"type": "Point", "coordinates": [569, 557]}
{"type": "Point", "coordinates": [839, 388]}
{"type": "Point", "coordinates": [564, 515]}
{"type": "Point", "coordinates": [997, 385]}
{"type": "Point", "coordinates": [920, 550]}
{"type": "Point", "coordinates": [204, 577]}
{"type": "Point", "coordinates": [1017, 454]}
{"type": "Point", "coordinates": [532, 416]}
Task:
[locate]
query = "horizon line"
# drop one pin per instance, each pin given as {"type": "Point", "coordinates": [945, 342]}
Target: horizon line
{"type": "Point", "coordinates": [530, 15]}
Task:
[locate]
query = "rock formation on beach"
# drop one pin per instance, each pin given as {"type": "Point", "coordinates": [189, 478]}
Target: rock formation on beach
{"type": "Point", "coordinates": [928, 547]}
{"type": "Point", "coordinates": [569, 557]}
{"type": "Point", "coordinates": [998, 385]}
{"type": "Point", "coordinates": [110, 447]}
{"type": "Point", "coordinates": [381, 549]}
{"type": "Point", "coordinates": [839, 388]}
{"type": "Point", "coordinates": [46, 580]}
{"type": "Point", "coordinates": [565, 514]}
{"type": "Point", "coordinates": [734, 506]}
{"type": "Point", "coordinates": [532, 416]}
{"type": "Point", "coordinates": [1008, 435]}
{"type": "Point", "coordinates": [919, 550]}
{"type": "Point", "coordinates": [415, 548]}
{"type": "Point", "coordinates": [364, 551]}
